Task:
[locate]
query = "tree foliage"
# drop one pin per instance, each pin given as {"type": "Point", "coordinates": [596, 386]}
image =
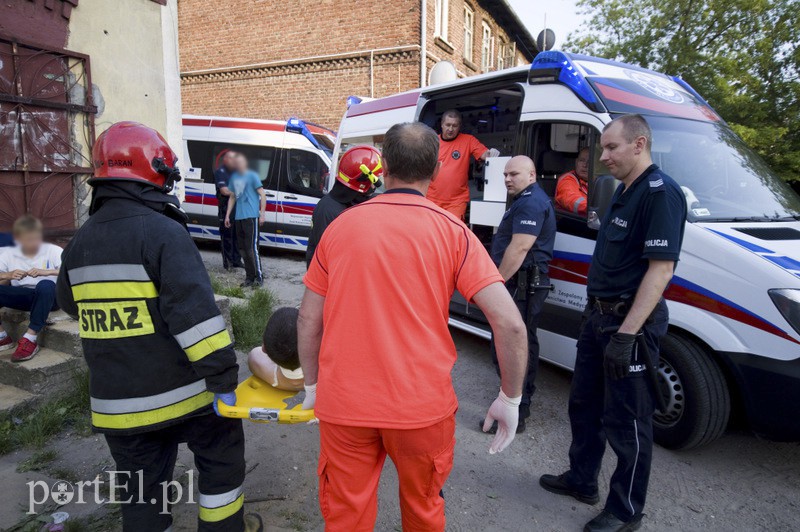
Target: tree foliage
{"type": "Point", "coordinates": [743, 56]}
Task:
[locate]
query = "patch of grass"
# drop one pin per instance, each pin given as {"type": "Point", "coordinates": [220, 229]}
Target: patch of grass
{"type": "Point", "coordinates": [34, 427]}
{"type": "Point", "coordinates": [38, 461]}
{"type": "Point", "coordinates": [248, 320]}
{"type": "Point", "coordinates": [225, 288]}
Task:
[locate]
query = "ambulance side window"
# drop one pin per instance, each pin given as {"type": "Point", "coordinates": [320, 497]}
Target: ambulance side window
{"type": "Point", "coordinates": [201, 156]}
{"type": "Point", "coordinates": [306, 173]}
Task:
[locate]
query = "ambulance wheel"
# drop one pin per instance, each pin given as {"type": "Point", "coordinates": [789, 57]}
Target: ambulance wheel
{"type": "Point", "coordinates": [697, 398]}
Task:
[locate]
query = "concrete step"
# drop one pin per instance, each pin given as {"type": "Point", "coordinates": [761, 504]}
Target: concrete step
{"type": "Point", "coordinates": [12, 398]}
{"type": "Point", "coordinates": [49, 372]}
{"type": "Point", "coordinates": [61, 334]}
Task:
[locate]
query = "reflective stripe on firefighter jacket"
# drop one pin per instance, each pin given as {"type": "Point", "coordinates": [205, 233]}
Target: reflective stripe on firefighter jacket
{"type": "Point", "coordinates": [153, 337]}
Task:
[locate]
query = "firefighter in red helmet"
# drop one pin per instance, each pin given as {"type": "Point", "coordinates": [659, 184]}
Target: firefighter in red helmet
{"type": "Point", "coordinates": [359, 175]}
{"type": "Point", "coordinates": [157, 347]}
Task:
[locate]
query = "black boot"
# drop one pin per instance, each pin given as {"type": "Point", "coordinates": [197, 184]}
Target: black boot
{"type": "Point", "coordinates": [561, 486]}
{"type": "Point", "coordinates": [608, 522]}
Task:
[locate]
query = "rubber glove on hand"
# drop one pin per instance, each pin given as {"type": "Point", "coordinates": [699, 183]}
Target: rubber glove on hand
{"type": "Point", "coordinates": [504, 410]}
{"type": "Point", "coordinates": [617, 360]}
{"type": "Point", "coordinates": [227, 398]}
{"type": "Point", "coordinates": [311, 396]}
{"type": "Point", "coordinates": [493, 152]}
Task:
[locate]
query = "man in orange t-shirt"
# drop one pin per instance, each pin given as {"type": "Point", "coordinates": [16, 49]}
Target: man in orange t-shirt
{"type": "Point", "coordinates": [450, 189]}
{"type": "Point", "coordinates": [572, 189]}
{"type": "Point", "coordinates": [381, 282]}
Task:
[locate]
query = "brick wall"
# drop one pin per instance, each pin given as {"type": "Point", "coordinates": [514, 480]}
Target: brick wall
{"type": "Point", "coordinates": [224, 33]}
{"type": "Point", "coordinates": [291, 47]}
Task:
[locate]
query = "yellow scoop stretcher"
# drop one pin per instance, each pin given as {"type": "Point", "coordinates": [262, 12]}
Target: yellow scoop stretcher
{"type": "Point", "coordinates": [259, 402]}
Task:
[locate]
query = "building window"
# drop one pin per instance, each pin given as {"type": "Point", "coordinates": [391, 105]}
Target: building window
{"type": "Point", "coordinates": [486, 48]}
{"type": "Point", "coordinates": [501, 63]}
{"type": "Point", "coordinates": [441, 19]}
{"type": "Point", "coordinates": [469, 27]}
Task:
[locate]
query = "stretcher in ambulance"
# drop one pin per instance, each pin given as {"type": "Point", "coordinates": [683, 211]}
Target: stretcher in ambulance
{"type": "Point", "coordinates": [734, 340]}
{"type": "Point", "coordinates": [292, 158]}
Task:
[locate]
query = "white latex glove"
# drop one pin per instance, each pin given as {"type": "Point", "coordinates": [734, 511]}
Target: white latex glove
{"type": "Point", "coordinates": [311, 396]}
{"type": "Point", "coordinates": [493, 152]}
{"type": "Point", "coordinates": [504, 410]}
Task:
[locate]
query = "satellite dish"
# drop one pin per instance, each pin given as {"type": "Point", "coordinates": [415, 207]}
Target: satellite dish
{"type": "Point", "coordinates": [546, 40]}
{"type": "Point", "coordinates": [442, 72]}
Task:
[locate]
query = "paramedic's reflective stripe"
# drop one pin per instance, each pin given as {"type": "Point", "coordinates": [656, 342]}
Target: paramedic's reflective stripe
{"type": "Point", "coordinates": [115, 290]}
{"type": "Point", "coordinates": [114, 319]}
{"type": "Point", "coordinates": [204, 338]}
{"type": "Point", "coordinates": [108, 272]}
{"type": "Point", "coordinates": [577, 204]}
{"type": "Point", "coordinates": [144, 411]}
{"type": "Point", "coordinates": [215, 508]}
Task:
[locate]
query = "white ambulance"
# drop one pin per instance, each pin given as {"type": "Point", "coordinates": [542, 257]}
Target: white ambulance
{"type": "Point", "coordinates": [292, 157]}
{"type": "Point", "coordinates": [734, 339]}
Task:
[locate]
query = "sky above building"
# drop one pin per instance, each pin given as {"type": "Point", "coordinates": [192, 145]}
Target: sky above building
{"type": "Point", "coordinates": [562, 16]}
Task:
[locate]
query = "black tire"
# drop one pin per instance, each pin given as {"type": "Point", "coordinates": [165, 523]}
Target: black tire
{"type": "Point", "coordinates": [696, 393]}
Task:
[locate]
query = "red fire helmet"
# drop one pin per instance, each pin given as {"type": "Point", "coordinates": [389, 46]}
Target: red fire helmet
{"type": "Point", "coordinates": [130, 151]}
{"type": "Point", "coordinates": [360, 169]}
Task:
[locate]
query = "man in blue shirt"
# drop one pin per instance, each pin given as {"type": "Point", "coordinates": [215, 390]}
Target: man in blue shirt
{"type": "Point", "coordinates": [522, 248]}
{"type": "Point", "coordinates": [613, 389]}
{"type": "Point", "coordinates": [227, 236]}
{"type": "Point", "coordinates": [250, 203]}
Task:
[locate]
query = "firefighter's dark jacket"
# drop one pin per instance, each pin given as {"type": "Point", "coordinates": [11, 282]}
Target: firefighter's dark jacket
{"type": "Point", "coordinates": [153, 337]}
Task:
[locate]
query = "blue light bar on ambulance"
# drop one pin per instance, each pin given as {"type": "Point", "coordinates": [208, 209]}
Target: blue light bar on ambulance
{"type": "Point", "coordinates": [353, 100]}
{"type": "Point", "coordinates": [557, 67]}
{"type": "Point", "coordinates": [295, 125]}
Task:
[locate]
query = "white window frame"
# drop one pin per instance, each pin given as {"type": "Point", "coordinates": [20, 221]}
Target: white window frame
{"type": "Point", "coordinates": [487, 46]}
{"type": "Point", "coordinates": [469, 33]}
{"type": "Point", "coordinates": [501, 45]}
{"type": "Point", "coordinates": [441, 19]}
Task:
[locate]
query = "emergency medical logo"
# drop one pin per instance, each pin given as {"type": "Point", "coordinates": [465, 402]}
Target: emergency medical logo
{"type": "Point", "coordinates": [655, 86]}
{"type": "Point", "coordinates": [456, 155]}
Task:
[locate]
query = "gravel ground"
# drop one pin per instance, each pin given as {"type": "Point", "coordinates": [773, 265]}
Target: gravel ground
{"type": "Point", "coordinates": [736, 483]}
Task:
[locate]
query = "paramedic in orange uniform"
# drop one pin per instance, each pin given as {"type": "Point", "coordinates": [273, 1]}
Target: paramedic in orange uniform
{"type": "Point", "coordinates": [381, 281]}
{"type": "Point", "coordinates": [450, 189]}
{"type": "Point", "coordinates": [572, 189]}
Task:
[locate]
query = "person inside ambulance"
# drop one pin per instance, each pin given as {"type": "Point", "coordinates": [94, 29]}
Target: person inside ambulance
{"type": "Point", "coordinates": [157, 347]}
{"type": "Point", "coordinates": [450, 189]}
{"type": "Point", "coordinates": [572, 189]}
{"type": "Point", "coordinates": [360, 172]}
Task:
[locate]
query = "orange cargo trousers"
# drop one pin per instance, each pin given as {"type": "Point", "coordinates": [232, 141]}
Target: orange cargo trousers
{"type": "Point", "coordinates": [350, 464]}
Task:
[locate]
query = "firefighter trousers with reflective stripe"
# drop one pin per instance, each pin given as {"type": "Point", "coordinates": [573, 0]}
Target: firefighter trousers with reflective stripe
{"type": "Point", "coordinates": [218, 447]}
{"type": "Point", "coordinates": [350, 464]}
{"type": "Point", "coordinates": [617, 411]}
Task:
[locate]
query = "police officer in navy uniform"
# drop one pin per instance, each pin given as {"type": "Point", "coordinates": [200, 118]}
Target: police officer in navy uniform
{"type": "Point", "coordinates": [227, 236]}
{"type": "Point", "coordinates": [613, 389]}
{"type": "Point", "coordinates": [522, 248]}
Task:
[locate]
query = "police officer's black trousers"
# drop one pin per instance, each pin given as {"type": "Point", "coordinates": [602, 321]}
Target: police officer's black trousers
{"type": "Point", "coordinates": [617, 411]}
{"type": "Point", "coordinates": [530, 306]}
{"type": "Point", "coordinates": [230, 250]}
{"type": "Point", "coordinates": [218, 447]}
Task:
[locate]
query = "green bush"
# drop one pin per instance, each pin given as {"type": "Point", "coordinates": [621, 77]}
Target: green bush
{"type": "Point", "coordinates": [248, 320]}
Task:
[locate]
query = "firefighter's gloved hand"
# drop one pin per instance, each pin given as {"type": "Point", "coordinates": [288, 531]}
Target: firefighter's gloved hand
{"type": "Point", "coordinates": [504, 410]}
{"type": "Point", "coordinates": [493, 152]}
{"type": "Point", "coordinates": [311, 396]}
{"type": "Point", "coordinates": [227, 398]}
{"type": "Point", "coordinates": [617, 361]}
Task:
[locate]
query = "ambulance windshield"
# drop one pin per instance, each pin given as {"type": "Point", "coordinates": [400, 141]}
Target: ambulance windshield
{"type": "Point", "coordinates": [723, 179]}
